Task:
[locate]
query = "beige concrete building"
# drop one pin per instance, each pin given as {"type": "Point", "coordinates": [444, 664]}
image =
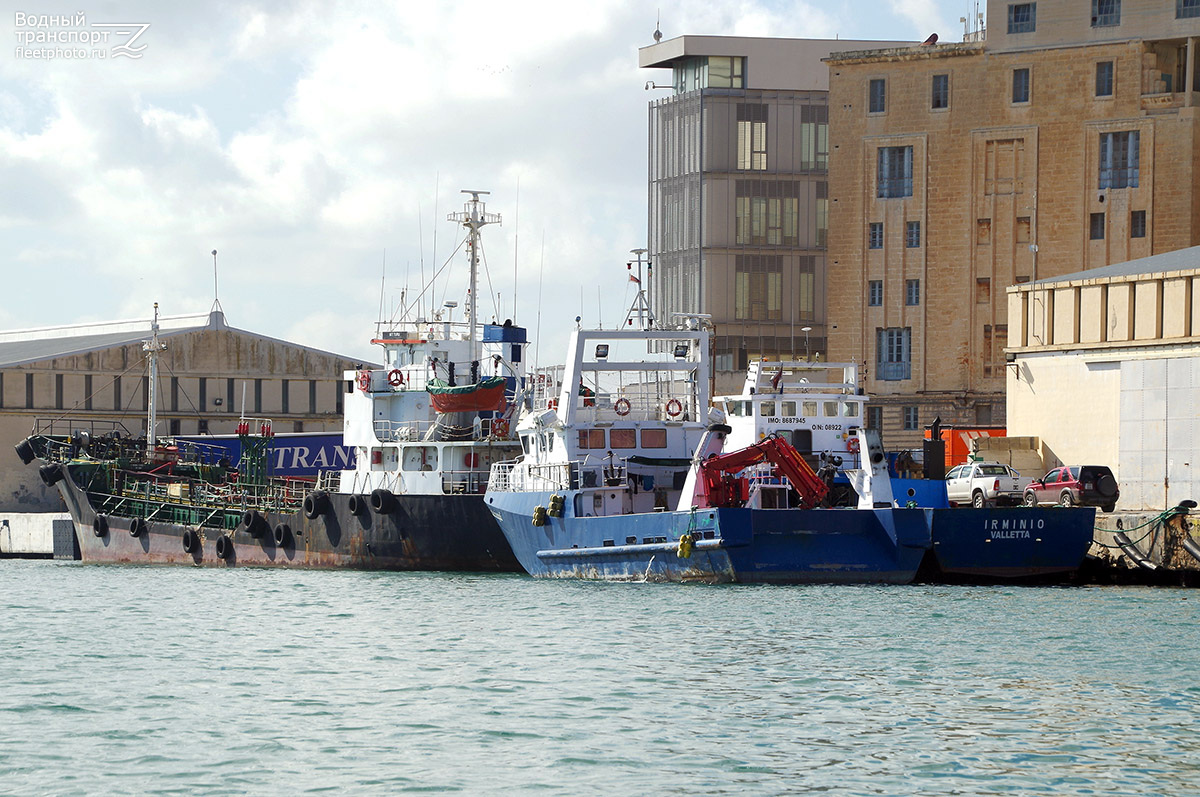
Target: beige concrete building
{"type": "Point", "coordinates": [1067, 138]}
{"type": "Point", "coordinates": [738, 208]}
{"type": "Point", "coordinates": [1105, 369]}
{"type": "Point", "coordinates": [95, 374]}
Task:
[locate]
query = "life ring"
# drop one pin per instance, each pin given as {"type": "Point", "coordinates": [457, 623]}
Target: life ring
{"type": "Point", "coordinates": [552, 404]}
{"type": "Point", "coordinates": [852, 445]}
{"type": "Point", "coordinates": [364, 380]}
{"type": "Point", "coordinates": [395, 377]}
{"type": "Point", "coordinates": [621, 406]}
{"type": "Point", "coordinates": [674, 407]}
{"type": "Point", "coordinates": [500, 427]}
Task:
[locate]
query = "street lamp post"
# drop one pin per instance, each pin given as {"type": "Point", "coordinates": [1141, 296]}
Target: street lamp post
{"type": "Point", "coordinates": [806, 330]}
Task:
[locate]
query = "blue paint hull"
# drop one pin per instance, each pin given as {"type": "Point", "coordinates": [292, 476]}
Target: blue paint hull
{"type": "Point", "coordinates": [1010, 543]}
{"type": "Point", "coordinates": [780, 546]}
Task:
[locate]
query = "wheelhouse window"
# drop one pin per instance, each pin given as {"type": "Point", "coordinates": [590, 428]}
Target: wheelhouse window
{"type": "Point", "coordinates": [654, 438]}
{"type": "Point", "coordinates": [623, 438]}
{"type": "Point", "coordinates": [894, 173]}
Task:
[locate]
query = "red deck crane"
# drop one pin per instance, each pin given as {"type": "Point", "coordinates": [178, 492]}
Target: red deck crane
{"type": "Point", "coordinates": [723, 488]}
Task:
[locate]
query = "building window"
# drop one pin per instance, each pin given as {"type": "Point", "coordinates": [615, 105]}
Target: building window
{"type": "Point", "coordinates": [875, 418]}
{"type": "Point", "coordinates": [911, 420]}
{"type": "Point", "coordinates": [725, 72]}
{"type": "Point", "coordinates": [876, 96]}
{"type": "Point", "coordinates": [1096, 227]}
{"type": "Point", "coordinates": [983, 232]}
{"type": "Point", "coordinates": [1106, 13]}
{"type": "Point", "coordinates": [87, 391]}
{"type": "Point", "coordinates": [912, 292]}
{"type": "Point", "coordinates": [983, 290]}
{"type": "Point", "coordinates": [767, 213]}
{"type": "Point", "coordinates": [940, 95]}
{"type": "Point", "coordinates": [1104, 79]}
{"type": "Point", "coordinates": [312, 396]}
{"type": "Point", "coordinates": [1023, 229]}
{"type": "Point", "coordinates": [258, 405]}
{"type": "Point", "coordinates": [752, 137]}
{"type": "Point", "coordinates": [1022, 17]}
{"type": "Point", "coordinates": [912, 234]}
{"type": "Point", "coordinates": [875, 235]}
{"type": "Point", "coordinates": [814, 137]}
{"type": "Point", "coordinates": [202, 426]}
{"type": "Point", "coordinates": [875, 293]}
{"type": "Point", "coordinates": [1119, 159]}
{"type": "Point", "coordinates": [1137, 224]}
{"type": "Point", "coordinates": [895, 169]}
{"type": "Point", "coordinates": [893, 346]}
{"type": "Point", "coordinates": [758, 288]}
{"type": "Point", "coordinates": [285, 408]}
{"type": "Point", "coordinates": [29, 392]}
{"type": "Point", "coordinates": [116, 393]}
{"type": "Point", "coordinates": [58, 391]}
{"type": "Point", "coordinates": [983, 415]}
{"type": "Point", "coordinates": [1187, 8]}
{"type": "Point", "coordinates": [174, 427]}
{"type": "Point", "coordinates": [1020, 80]}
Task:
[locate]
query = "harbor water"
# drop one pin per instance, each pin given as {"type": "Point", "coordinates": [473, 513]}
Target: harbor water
{"type": "Point", "coordinates": [204, 681]}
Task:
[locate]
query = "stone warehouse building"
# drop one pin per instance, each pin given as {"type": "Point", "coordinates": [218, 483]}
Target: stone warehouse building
{"type": "Point", "coordinates": [738, 207]}
{"type": "Point", "coordinates": [95, 374]}
{"type": "Point", "coordinates": [1066, 140]}
{"type": "Point", "coordinates": [1105, 368]}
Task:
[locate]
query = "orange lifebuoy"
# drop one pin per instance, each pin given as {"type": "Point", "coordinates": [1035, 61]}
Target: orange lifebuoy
{"type": "Point", "coordinates": [500, 427]}
{"type": "Point", "coordinates": [364, 380]}
{"type": "Point", "coordinates": [395, 377]}
{"type": "Point", "coordinates": [621, 406]}
{"type": "Point", "coordinates": [674, 407]}
{"type": "Point", "coordinates": [852, 445]}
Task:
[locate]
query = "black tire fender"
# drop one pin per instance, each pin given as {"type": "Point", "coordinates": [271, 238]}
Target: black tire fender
{"type": "Point", "coordinates": [224, 547]}
{"type": "Point", "coordinates": [283, 534]}
{"type": "Point", "coordinates": [100, 525]}
{"type": "Point", "coordinates": [315, 504]}
{"type": "Point", "coordinates": [137, 527]}
{"type": "Point", "coordinates": [382, 502]}
{"type": "Point", "coordinates": [191, 541]}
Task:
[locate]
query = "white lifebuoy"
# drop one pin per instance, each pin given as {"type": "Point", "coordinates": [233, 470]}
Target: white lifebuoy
{"type": "Point", "coordinates": [395, 377]}
{"type": "Point", "coordinates": [622, 406]}
{"type": "Point", "coordinates": [674, 407]}
{"type": "Point", "coordinates": [852, 445]}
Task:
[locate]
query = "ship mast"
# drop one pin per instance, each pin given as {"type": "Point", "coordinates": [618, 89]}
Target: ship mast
{"type": "Point", "coordinates": [152, 347]}
{"type": "Point", "coordinates": [474, 218]}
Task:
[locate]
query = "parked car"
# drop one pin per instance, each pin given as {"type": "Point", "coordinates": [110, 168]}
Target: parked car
{"type": "Point", "coordinates": [983, 484]}
{"type": "Point", "coordinates": [1075, 485]}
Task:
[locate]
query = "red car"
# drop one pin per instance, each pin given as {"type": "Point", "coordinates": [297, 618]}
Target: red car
{"type": "Point", "coordinates": [1075, 485]}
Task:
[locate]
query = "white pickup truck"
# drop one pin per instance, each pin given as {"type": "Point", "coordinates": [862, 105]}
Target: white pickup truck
{"type": "Point", "coordinates": [983, 484]}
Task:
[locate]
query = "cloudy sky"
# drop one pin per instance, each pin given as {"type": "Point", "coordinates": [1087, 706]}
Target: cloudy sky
{"type": "Point", "coordinates": [319, 146]}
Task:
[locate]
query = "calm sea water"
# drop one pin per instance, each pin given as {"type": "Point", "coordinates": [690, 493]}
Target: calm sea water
{"type": "Point", "coordinates": [173, 680]}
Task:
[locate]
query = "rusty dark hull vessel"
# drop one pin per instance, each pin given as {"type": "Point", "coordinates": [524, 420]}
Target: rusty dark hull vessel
{"type": "Point", "coordinates": [178, 507]}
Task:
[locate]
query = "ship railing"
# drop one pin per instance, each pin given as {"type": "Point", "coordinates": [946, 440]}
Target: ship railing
{"type": "Point", "coordinates": [387, 431]}
{"type": "Point", "coordinates": [328, 480]}
{"type": "Point", "coordinates": [615, 408]}
{"type": "Point", "coordinates": [519, 477]}
{"type": "Point", "coordinates": [464, 482]}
